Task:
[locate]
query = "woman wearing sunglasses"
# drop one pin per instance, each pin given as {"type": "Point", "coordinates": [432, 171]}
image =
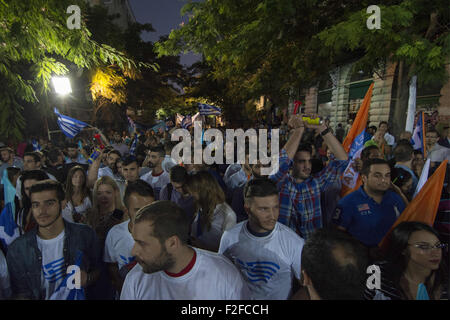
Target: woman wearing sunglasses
{"type": "Point", "coordinates": [414, 268]}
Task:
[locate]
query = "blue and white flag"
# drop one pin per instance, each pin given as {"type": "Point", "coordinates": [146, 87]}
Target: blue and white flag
{"type": "Point", "coordinates": [9, 230]}
{"type": "Point", "coordinates": [207, 110]}
{"type": "Point", "coordinates": [70, 292]}
{"type": "Point", "coordinates": [423, 177]}
{"type": "Point", "coordinates": [186, 122]}
{"type": "Point", "coordinates": [134, 145]}
{"type": "Point", "coordinates": [69, 126]}
{"type": "Point", "coordinates": [160, 125]}
{"type": "Point", "coordinates": [131, 125]}
{"type": "Point", "coordinates": [36, 145]}
{"type": "Point", "coordinates": [418, 137]}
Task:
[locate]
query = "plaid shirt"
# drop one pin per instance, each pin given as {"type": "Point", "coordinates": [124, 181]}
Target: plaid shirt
{"type": "Point", "coordinates": [300, 207]}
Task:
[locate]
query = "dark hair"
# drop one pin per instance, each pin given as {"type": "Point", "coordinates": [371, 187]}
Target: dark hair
{"type": "Point", "coordinates": [85, 192]}
{"type": "Point", "coordinates": [417, 151]}
{"type": "Point", "coordinates": [366, 152]}
{"type": "Point", "coordinates": [305, 147]}
{"type": "Point", "coordinates": [397, 243]}
{"type": "Point", "coordinates": [335, 277]}
{"type": "Point", "coordinates": [178, 174]}
{"type": "Point", "coordinates": [168, 220]}
{"type": "Point", "coordinates": [71, 145]}
{"type": "Point", "coordinates": [36, 155]}
{"type": "Point", "coordinates": [403, 151]}
{"type": "Point", "coordinates": [38, 175]}
{"type": "Point", "coordinates": [260, 187]}
{"type": "Point", "coordinates": [48, 185]}
{"type": "Point", "coordinates": [53, 154]}
{"type": "Point", "coordinates": [115, 152]}
{"type": "Point", "coordinates": [400, 176]}
{"type": "Point", "coordinates": [12, 171]}
{"type": "Point", "coordinates": [159, 149]}
{"type": "Point", "coordinates": [129, 160]}
{"type": "Point", "coordinates": [10, 150]}
{"type": "Point", "coordinates": [383, 122]}
{"type": "Point", "coordinates": [369, 162]}
{"type": "Point", "coordinates": [140, 187]}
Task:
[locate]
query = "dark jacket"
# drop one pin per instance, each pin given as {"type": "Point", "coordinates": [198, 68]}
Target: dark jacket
{"type": "Point", "coordinates": [24, 258]}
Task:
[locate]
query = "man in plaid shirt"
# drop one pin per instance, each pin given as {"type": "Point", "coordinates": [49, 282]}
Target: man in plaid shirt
{"type": "Point", "coordinates": [300, 192]}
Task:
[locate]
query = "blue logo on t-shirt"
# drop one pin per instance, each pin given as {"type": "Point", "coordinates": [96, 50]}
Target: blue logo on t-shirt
{"type": "Point", "coordinates": [54, 270]}
{"type": "Point", "coordinates": [126, 260]}
{"type": "Point", "coordinates": [259, 270]}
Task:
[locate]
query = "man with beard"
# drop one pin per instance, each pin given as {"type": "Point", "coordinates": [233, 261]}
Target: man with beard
{"type": "Point", "coordinates": [73, 155]}
{"type": "Point", "coordinates": [9, 160]}
{"type": "Point", "coordinates": [119, 145]}
{"type": "Point", "coordinates": [369, 212]}
{"type": "Point", "coordinates": [111, 170]}
{"type": "Point", "coordinates": [300, 191]}
{"type": "Point", "coordinates": [157, 178]}
{"type": "Point", "coordinates": [38, 260]}
{"type": "Point", "coordinates": [267, 253]}
{"type": "Point", "coordinates": [169, 269]}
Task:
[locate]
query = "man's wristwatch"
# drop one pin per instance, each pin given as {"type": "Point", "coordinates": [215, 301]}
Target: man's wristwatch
{"type": "Point", "coordinates": [324, 132]}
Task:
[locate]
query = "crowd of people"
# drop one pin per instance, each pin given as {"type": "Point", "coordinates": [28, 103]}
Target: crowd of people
{"type": "Point", "coordinates": [141, 226]}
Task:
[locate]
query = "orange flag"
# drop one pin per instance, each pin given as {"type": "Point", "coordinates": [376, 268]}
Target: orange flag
{"type": "Point", "coordinates": [354, 143]}
{"type": "Point", "coordinates": [423, 208]}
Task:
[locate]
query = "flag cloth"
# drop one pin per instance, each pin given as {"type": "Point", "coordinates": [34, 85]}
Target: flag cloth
{"type": "Point", "coordinates": [418, 137]}
{"type": "Point", "coordinates": [134, 145]}
{"type": "Point", "coordinates": [423, 177]}
{"type": "Point", "coordinates": [423, 208]}
{"type": "Point", "coordinates": [63, 292]}
{"type": "Point", "coordinates": [178, 119]}
{"type": "Point", "coordinates": [196, 117]}
{"type": "Point", "coordinates": [69, 126]}
{"type": "Point", "coordinates": [9, 230]}
{"type": "Point", "coordinates": [187, 122]}
{"type": "Point", "coordinates": [160, 124]}
{"type": "Point", "coordinates": [36, 146]}
{"type": "Point", "coordinates": [354, 144]}
{"type": "Point", "coordinates": [207, 110]}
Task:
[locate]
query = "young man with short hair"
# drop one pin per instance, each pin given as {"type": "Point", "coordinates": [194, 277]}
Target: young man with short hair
{"type": "Point", "coordinates": [157, 178]}
{"type": "Point", "coordinates": [38, 260]}
{"type": "Point", "coordinates": [267, 253]}
{"type": "Point", "coordinates": [169, 269]}
{"type": "Point", "coordinates": [9, 160]}
{"type": "Point", "coordinates": [73, 154]}
{"type": "Point", "coordinates": [369, 212]}
{"type": "Point", "coordinates": [119, 241]}
{"type": "Point", "coordinates": [130, 169]}
{"type": "Point", "coordinates": [174, 191]}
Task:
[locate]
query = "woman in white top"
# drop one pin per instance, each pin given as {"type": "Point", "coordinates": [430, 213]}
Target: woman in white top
{"type": "Point", "coordinates": [213, 216]}
{"type": "Point", "coordinates": [78, 196]}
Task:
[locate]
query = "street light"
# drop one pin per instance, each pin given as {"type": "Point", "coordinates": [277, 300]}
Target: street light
{"type": "Point", "coordinates": [62, 85]}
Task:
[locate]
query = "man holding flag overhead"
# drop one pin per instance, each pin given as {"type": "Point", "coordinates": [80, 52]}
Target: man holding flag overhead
{"type": "Point", "coordinates": [46, 253]}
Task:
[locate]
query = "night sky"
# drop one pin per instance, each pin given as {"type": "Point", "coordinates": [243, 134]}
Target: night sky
{"type": "Point", "coordinates": [164, 15]}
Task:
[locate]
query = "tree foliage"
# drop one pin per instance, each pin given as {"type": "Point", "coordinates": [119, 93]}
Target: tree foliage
{"type": "Point", "coordinates": [35, 44]}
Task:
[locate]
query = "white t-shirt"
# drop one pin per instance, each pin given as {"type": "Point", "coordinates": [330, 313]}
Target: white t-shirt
{"type": "Point", "coordinates": [224, 218]}
{"type": "Point", "coordinates": [52, 263]}
{"type": "Point", "coordinates": [268, 263]}
{"type": "Point", "coordinates": [213, 277]}
{"type": "Point", "coordinates": [156, 182]}
{"type": "Point", "coordinates": [81, 209]}
{"type": "Point", "coordinates": [168, 163]}
{"type": "Point", "coordinates": [118, 245]}
{"type": "Point", "coordinates": [5, 287]}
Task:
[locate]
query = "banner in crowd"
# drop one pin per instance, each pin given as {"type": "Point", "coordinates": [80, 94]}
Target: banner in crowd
{"type": "Point", "coordinates": [9, 230]}
{"type": "Point", "coordinates": [134, 145]}
{"type": "Point", "coordinates": [354, 144]}
{"type": "Point", "coordinates": [418, 137]}
{"type": "Point", "coordinates": [69, 126]}
{"type": "Point", "coordinates": [423, 208]}
{"type": "Point", "coordinates": [208, 110]}
{"type": "Point", "coordinates": [66, 292]}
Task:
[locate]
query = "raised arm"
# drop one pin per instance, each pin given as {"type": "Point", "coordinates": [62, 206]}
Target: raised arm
{"type": "Point", "coordinates": [331, 141]}
{"type": "Point", "coordinates": [298, 127]}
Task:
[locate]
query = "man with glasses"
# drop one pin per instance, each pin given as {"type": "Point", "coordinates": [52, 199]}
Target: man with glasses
{"type": "Point", "coordinates": [369, 212]}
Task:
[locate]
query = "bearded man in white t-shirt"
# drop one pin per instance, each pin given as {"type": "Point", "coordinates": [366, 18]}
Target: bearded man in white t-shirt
{"type": "Point", "coordinates": [157, 178]}
{"type": "Point", "coordinates": [267, 253]}
{"type": "Point", "coordinates": [119, 241]}
{"type": "Point", "coordinates": [169, 269]}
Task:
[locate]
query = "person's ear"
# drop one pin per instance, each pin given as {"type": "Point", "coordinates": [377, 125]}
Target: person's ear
{"type": "Point", "coordinates": [172, 244]}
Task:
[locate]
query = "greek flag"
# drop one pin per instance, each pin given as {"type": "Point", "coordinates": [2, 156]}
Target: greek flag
{"type": "Point", "coordinates": [36, 146]}
{"type": "Point", "coordinates": [207, 110]}
{"type": "Point", "coordinates": [418, 137]}
{"type": "Point", "coordinates": [9, 230]}
{"type": "Point", "coordinates": [69, 126]}
{"type": "Point", "coordinates": [186, 122]}
{"type": "Point", "coordinates": [65, 292]}
{"type": "Point", "coordinates": [134, 145]}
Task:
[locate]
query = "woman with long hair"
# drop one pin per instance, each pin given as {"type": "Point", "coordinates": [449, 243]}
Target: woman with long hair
{"type": "Point", "coordinates": [213, 216]}
{"type": "Point", "coordinates": [414, 268]}
{"type": "Point", "coordinates": [78, 196]}
{"type": "Point", "coordinates": [107, 207]}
